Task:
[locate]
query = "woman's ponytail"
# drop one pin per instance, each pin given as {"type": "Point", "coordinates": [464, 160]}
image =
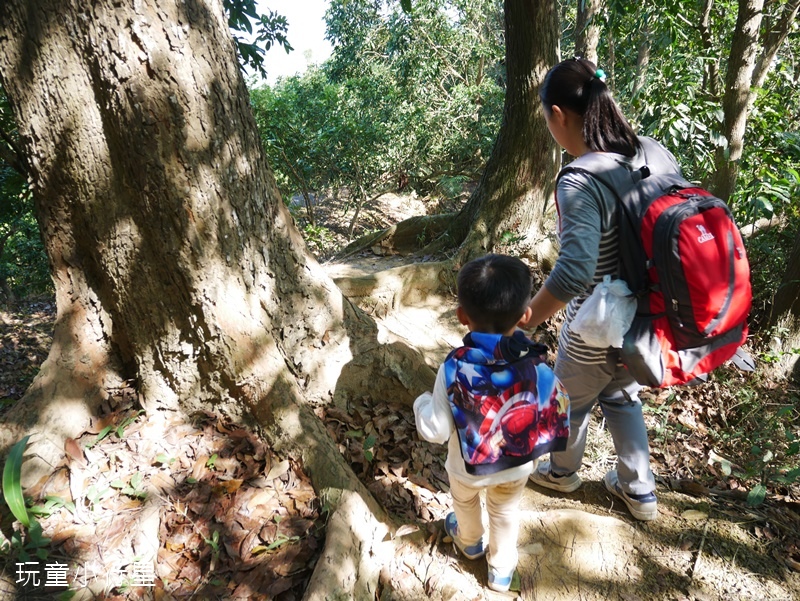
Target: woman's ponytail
{"type": "Point", "coordinates": [578, 85]}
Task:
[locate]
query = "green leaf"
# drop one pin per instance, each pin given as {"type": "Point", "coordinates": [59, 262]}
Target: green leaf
{"type": "Point", "coordinates": [36, 536]}
{"type": "Point", "coordinates": [757, 496]}
{"type": "Point", "coordinates": [100, 436]}
{"type": "Point", "coordinates": [164, 459]}
{"type": "Point", "coordinates": [406, 6]}
{"type": "Point", "coordinates": [12, 482]}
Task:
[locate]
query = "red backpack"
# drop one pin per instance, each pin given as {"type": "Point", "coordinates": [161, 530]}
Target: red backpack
{"type": "Point", "coordinates": [683, 257]}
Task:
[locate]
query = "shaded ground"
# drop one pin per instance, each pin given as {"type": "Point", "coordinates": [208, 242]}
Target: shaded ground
{"type": "Point", "coordinates": [227, 518]}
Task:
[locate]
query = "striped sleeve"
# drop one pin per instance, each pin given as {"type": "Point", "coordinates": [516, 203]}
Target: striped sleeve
{"type": "Point", "coordinates": [589, 251]}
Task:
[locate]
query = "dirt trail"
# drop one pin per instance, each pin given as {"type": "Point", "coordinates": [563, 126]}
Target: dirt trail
{"type": "Point", "coordinates": [585, 545]}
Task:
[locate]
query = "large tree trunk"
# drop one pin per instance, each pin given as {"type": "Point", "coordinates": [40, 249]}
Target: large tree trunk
{"type": "Point", "coordinates": [518, 180]}
{"type": "Point", "coordinates": [173, 258]}
{"type": "Point", "coordinates": [511, 201]}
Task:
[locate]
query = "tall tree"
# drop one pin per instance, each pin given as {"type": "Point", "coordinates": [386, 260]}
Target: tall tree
{"type": "Point", "coordinates": [174, 260]}
{"type": "Point", "coordinates": [519, 176]}
{"type": "Point", "coordinates": [751, 56]}
{"type": "Point", "coordinates": [511, 201]}
{"type": "Point", "coordinates": [517, 183]}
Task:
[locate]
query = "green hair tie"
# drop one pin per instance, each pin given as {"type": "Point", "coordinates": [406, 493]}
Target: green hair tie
{"type": "Point", "coordinates": [601, 75]}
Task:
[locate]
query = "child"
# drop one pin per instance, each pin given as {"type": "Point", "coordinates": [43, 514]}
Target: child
{"type": "Point", "coordinates": [499, 405]}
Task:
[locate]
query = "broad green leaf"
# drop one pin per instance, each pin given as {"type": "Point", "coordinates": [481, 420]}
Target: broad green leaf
{"type": "Point", "coordinates": [757, 496]}
{"type": "Point", "coordinates": [12, 482]}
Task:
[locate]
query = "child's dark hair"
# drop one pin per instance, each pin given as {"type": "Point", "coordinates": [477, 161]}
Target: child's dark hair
{"type": "Point", "coordinates": [494, 291]}
{"type": "Point", "coordinates": [574, 84]}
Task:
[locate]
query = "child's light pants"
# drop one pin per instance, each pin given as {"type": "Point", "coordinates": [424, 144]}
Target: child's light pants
{"type": "Point", "coordinates": [502, 505]}
{"type": "Point", "coordinates": [611, 385]}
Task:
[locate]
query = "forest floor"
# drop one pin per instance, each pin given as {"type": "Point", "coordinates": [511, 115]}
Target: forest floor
{"type": "Point", "coordinates": [230, 519]}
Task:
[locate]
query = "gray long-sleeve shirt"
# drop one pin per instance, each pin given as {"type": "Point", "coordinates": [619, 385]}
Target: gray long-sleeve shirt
{"type": "Point", "coordinates": [588, 235]}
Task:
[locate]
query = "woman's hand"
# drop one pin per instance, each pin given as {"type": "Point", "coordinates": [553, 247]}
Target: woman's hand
{"type": "Point", "coordinates": [542, 307]}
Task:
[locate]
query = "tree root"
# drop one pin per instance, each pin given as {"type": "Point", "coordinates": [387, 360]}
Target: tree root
{"type": "Point", "coordinates": [405, 237]}
{"type": "Point", "coordinates": [359, 531]}
{"type": "Point", "coordinates": [384, 291]}
{"type": "Point", "coordinates": [357, 545]}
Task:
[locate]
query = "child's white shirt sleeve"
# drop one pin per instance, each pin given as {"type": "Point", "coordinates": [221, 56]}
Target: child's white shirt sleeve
{"type": "Point", "coordinates": [432, 412]}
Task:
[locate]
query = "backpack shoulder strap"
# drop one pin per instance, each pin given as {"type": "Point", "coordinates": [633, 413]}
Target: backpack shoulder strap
{"type": "Point", "coordinates": [618, 176]}
{"type": "Point", "coordinates": [652, 172]}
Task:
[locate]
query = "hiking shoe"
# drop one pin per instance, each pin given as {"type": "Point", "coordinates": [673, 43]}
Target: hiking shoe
{"type": "Point", "coordinates": [542, 476]}
{"type": "Point", "coordinates": [499, 580]}
{"type": "Point", "coordinates": [451, 529]}
{"type": "Point", "coordinates": [642, 507]}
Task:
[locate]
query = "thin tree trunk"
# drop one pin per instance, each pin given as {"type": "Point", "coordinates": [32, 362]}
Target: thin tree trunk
{"type": "Point", "coordinates": [587, 29]}
{"type": "Point", "coordinates": [778, 29]}
{"type": "Point", "coordinates": [642, 62]}
{"type": "Point", "coordinates": [785, 316]}
{"type": "Point", "coordinates": [711, 76]}
{"type": "Point", "coordinates": [739, 77]}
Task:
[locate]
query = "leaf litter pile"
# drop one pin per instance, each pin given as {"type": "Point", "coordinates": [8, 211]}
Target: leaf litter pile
{"type": "Point", "coordinates": [223, 515]}
{"type": "Point", "coordinates": [227, 518]}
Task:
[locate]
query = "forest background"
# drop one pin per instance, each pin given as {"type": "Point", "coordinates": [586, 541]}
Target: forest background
{"type": "Point", "coordinates": [413, 102]}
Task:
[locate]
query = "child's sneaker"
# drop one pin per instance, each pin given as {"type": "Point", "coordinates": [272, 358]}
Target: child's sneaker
{"type": "Point", "coordinates": [542, 476]}
{"type": "Point", "coordinates": [500, 581]}
{"type": "Point", "coordinates": [451, 529]}
{"type": "Point", "coordinates": [642, 507]}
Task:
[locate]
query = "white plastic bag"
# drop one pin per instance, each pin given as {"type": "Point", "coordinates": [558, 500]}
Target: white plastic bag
{"type": "Point", "coordinates": [606, 315]}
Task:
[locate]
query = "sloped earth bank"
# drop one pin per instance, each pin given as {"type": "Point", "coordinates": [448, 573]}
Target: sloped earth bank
{"type": "Point", "coordinates": [226, 518]}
